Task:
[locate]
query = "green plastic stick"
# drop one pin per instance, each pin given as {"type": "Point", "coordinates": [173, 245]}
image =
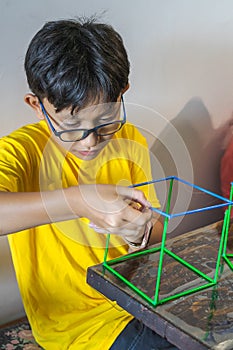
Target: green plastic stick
{"type": "Point", "coordinates": [225, 230]}
{"type": "Point", "coordinates": [157, 287]}
{"type": "Point", "coordinates": [222, 244]}
{"type": "Point", "coordinates": [106, 247]}
{"type": "Point", "coordinates": [225, 255]}
{"type": "Point", "coordinates": [190, 267]}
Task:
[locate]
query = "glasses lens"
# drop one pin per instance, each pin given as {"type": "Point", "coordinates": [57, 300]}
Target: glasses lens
{"type": "Point", "coordinates": [109, 129]}
{"type": "Point", "coordinates": [70, 136]}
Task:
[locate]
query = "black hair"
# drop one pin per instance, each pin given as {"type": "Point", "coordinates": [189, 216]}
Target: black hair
{"type": "Point", "coordinates": [76, 62]}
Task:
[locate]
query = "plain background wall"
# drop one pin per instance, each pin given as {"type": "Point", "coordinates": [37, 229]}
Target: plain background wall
{"type": "Point", "coordinates": [181, 54]}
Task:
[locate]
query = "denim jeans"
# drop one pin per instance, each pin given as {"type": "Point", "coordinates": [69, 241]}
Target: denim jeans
{"type": "Point", "coordinates": [136, 336]}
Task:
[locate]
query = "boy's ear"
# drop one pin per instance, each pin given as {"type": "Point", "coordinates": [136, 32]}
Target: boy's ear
{"type": "Point", "coordinates": [34, 103]}
{"type": "Point", "coordinates": [125, 89]}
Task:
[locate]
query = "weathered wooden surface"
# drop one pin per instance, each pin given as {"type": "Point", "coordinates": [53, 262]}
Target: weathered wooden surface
{"type": "Point", "coordinates": [201, 320]}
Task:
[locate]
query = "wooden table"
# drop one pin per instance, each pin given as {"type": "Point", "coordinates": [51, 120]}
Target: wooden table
{"type": "Point", "coordinates": [201, 320]}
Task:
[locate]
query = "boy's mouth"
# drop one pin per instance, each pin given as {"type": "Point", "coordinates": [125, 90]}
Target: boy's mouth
{"type": "Point", "coordinates": [88, 153]}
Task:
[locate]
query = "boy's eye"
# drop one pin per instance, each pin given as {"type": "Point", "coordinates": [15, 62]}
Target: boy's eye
{"type": "Point", "coordinates": [99, 121]}
{"type": "Point", "coordinates": [71, 124]}
{"type": "Point", "coordinates": [107, 119]}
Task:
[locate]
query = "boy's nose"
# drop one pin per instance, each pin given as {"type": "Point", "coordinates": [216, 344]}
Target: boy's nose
{"type": "Point", "coordinates": [91, 140]}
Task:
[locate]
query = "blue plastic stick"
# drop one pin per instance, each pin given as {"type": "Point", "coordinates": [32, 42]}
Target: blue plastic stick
{"type": "Point", "coordinates": [186, 183]}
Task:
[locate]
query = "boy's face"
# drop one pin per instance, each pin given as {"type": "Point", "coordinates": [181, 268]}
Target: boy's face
{"type": "Point", "coordinates": [88, 118]}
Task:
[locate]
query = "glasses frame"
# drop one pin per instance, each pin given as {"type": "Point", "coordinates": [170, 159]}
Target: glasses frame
{"type": "Point", "coordinates": [86, 131]}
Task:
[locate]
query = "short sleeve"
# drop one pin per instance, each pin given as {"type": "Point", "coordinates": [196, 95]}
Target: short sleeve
{"type": "Point", "coordinates": [14, 166]}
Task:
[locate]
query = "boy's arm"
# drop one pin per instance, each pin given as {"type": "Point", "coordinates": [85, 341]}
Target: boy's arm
{"type": "Point", "coordinates": [150, 234]}
{"type": "Point", "coordinates": [157, 230]}
{"type": "Point", "coordinates": [105, 205]}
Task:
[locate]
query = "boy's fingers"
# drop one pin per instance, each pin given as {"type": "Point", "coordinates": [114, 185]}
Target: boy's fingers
{"type": "Point", "coordinates": [137, 218]}
{"type": "Point", "coordinates": [134, 195]}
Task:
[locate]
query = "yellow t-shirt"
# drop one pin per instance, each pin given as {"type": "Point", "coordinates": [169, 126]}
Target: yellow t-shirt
{"type": "Point", "coordinates": [51, 260]}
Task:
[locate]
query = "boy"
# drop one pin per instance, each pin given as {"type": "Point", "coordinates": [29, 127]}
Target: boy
{"type": "Point", "coordinates": [64, 183]}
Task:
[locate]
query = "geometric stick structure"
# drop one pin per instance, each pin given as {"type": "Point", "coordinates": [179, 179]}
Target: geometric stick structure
{"type": "Point", "coordinates": [226, 255]}
{"type": "Point", "coordinates": [162, 250]}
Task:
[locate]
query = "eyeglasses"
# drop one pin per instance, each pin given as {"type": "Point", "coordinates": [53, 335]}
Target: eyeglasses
{"type": "Point", "coordinates": [73, 135]}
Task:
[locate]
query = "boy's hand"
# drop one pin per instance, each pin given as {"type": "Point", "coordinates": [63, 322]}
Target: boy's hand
{"type": "Point", "coordinates": [112, 209]}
